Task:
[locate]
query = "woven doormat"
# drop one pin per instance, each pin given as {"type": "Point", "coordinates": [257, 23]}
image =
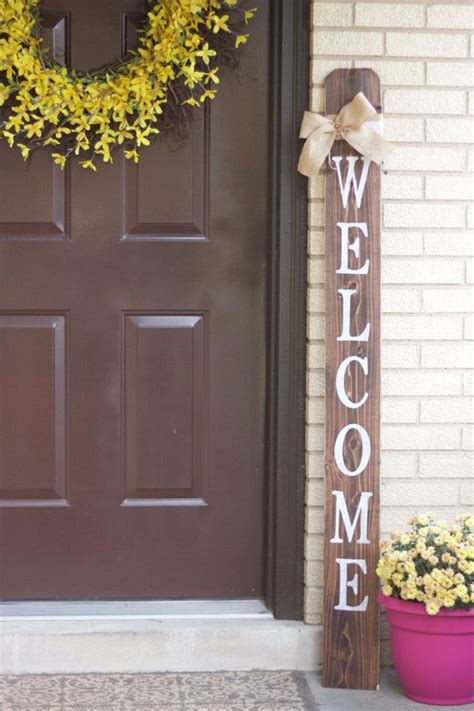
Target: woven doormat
{"type": "Point", "coordinates": [217, 691]}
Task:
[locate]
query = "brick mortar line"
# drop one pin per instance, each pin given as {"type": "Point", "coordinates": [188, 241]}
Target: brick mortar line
{"type": "Point", "coordinates": [416, 201]}
{"type": "Point", "coordinates": [455, 3]}
{"type": "Point", "coordinates": [416, 257]}
{"type": "Point", "coordinates": [407, 287]}
{"type": "Point", "coordinates": [428, 369]}
{"type": "Point", "coordinates": [403, 398]}
{"type": "Point", "coordinates": [419, 312]}
{"type": "Point", "coordinates": [316, 29]}
{"type": "Point", "coordinates": [463, 89]}
{"type": "Point", "coordinates": [418, 88]}
{"type": "Point", "coordinates": [428, 201]}
{"type": "Point", "coordinates": [421, 231]}
{"type": "Point", "coordinates": [385, 58]}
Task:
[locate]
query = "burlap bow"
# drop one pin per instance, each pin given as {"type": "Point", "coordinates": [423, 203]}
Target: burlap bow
{"type": "Point", "coordinates": [321, 132]}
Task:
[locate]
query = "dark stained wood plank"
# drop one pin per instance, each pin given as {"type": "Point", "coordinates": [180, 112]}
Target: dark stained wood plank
{"type": "Point", "coordinates": [351, 638]}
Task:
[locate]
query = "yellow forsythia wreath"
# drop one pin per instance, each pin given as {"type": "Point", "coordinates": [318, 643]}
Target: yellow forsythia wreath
{"type": "Point", "coordinates": [181, 47]}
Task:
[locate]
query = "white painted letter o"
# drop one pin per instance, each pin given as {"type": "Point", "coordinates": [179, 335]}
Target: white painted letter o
{"type": "Point", "coordinates": [339, 446]}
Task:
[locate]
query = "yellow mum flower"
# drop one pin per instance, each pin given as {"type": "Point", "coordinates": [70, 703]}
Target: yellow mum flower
{"type": "Point", "coordinates": [432, 607]}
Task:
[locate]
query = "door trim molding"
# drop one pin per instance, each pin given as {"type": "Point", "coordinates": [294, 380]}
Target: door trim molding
{"type": "Point", "coordinates": [287, 317]}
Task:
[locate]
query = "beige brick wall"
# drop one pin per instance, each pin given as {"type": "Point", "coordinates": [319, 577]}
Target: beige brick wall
{"type": "Point", "coordinates": [422, 53]}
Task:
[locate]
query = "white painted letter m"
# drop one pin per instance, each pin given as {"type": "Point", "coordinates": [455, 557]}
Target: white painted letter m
{"type": "Point", "coordinates": [350, 526]}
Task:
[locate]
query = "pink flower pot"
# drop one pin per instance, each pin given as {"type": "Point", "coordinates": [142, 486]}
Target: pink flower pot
{"type": "Point", "coordinates": [433, 654]}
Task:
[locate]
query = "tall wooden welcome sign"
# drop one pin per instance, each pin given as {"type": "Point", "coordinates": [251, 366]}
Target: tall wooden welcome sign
{"type": "Point", "coordinates": [351, 618]}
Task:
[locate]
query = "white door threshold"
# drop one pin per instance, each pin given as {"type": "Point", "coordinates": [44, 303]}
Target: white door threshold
{"type": "Point", "coordinates": [135, 609]}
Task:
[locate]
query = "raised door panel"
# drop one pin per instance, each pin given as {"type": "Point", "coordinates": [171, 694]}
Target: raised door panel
{"type": "Point", "coordinates": [164, 409]}
{"type": "Point", "coordinates": [34, 201]}
{"type": "Point", "coordinates": [167, 193]}
{"type": "Point", "coordinates": [32, 410]}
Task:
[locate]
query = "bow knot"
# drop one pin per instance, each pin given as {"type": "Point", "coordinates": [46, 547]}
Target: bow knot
{"type": "Point", "coordinates": [349, 124]}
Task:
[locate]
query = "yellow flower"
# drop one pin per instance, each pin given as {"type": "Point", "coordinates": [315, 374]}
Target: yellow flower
{"type": "Point", "coordinates": [206, 53]}
{"type": "Point", "coordinates": [248, 14]}
{"type": "Point", "coordinates": [432, 607]}
{"type": "Point", "coordinates": [59, 159]}
{"type": "Point", "coordinates": [25, 151]}
{"type": "Point", "coordinates": [4, 93]}
{"type": "Point", "coordinates": [131, 155]}
{"type": "Point", "coordinates": [241, 39]}
{"type": "Point", "coordinates": [88, 164]}
{"type": "Point", "coordinates": [10, 138]}
{"type": "Point", "coordinates": [191, 101]}
{"type": "Point", "coordinates": [212, 76]}
{"type": "Point", "coordinates": [220, 23]}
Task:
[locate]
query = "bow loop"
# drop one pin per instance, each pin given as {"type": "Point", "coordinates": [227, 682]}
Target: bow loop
{"type": "Point", "coordinates": [354, 114]}
{"type": "Point", "coordinates": [313, 122]}
{"type": "Point", "coordinates": [320, 133]}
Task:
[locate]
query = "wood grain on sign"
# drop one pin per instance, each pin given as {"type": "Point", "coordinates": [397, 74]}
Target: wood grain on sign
{"type": "Point", "coordinates": [351, 637]}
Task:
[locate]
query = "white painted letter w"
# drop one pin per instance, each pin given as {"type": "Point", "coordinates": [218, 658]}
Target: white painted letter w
{"type": "Point", "coordinates": [359, 188]}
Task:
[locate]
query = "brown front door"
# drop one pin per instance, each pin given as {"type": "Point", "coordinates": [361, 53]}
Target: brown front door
{"type": "Point", "coordinates": [133, 348]}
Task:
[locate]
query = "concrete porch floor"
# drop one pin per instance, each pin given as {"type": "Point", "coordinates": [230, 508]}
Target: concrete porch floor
{"type": "Point", "coordinates": [390, 696]}
{"type": "Point", "coordinates": [215, 691]}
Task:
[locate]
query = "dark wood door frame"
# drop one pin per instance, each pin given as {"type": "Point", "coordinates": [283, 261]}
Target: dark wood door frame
{"type": "Point", "coordinates": [287, 317]}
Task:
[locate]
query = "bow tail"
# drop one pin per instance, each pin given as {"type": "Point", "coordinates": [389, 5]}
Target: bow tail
{"type": "Point", "coordinates": [315, 151]}
{"type": "Point", "coordinates": [369, 143]}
